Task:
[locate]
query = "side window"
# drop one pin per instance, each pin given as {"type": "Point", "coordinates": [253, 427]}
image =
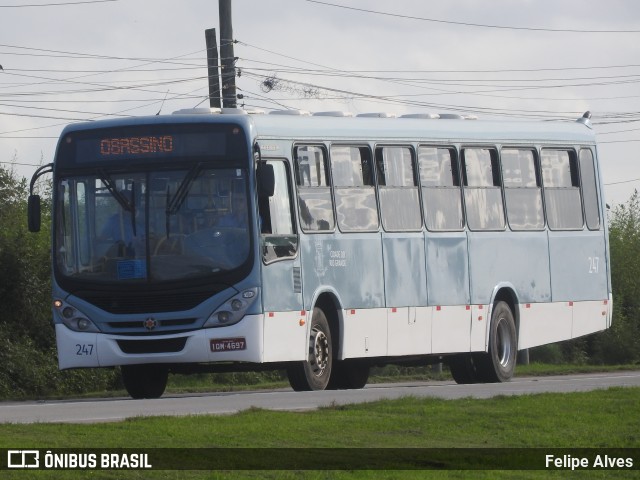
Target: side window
{"type": "Point", "coordinates": [356, 208]}
{"type": "Point", "coordinates": [314, 193]}
{"type": "Point", "coordinates": [441, 193]}
{"type": "Point", "coordinates": [398, 189]}
{"type": "Point", "coordinates": [279, 239]}
{"type": "Point", "coordinates": [482, 192]}
{"type": "Point", "coordinates": [589, 189]}
{"type": "Point", "coordinates": [522, 189]}
{"type": "Point", "coordinates": [561, 189]}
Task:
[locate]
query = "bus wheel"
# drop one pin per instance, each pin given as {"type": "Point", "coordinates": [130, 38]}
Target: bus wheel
{"type": "Point", "coordinates": [144, 381]}
{"type": "Point", "coordinates": [464, 368]}
{"type": "Point", "coordinates": [314, 373]}
{"type": "Point", "coordinates": [349, 374]}
{"type": "Point", "coordinates": [500, 363]}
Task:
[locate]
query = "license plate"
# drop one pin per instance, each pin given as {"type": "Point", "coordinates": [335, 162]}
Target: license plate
{"type": "Point", "coordinates": [228, 344]}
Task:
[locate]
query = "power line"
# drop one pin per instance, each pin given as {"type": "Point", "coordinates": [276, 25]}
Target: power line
{"type": "Point", "coordinates": [469, 24]}
{"type": "Point", "coordinates": [60, 4]}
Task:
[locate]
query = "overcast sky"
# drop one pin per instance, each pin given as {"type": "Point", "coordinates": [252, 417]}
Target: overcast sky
{"type": "Point", "coordinates": [542, 59]}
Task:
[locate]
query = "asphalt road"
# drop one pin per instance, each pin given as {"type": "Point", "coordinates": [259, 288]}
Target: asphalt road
{"type": "Point", "coordinates": [108, 410]}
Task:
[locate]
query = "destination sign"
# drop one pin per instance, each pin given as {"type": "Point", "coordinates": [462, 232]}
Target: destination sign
{"type": "Point", "coordinates": [136, 145]}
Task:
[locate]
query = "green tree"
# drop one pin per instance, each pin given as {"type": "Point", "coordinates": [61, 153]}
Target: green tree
{"type": "Point", "coordinates": [28, 363]}
{"type": "Point", "coordinates": [621, 343]}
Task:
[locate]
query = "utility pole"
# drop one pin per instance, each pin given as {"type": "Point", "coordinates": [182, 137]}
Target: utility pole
{"type": "Point", "coordinates": [227, 62]}
{"type": "Point", "coordinates": [213, 68]}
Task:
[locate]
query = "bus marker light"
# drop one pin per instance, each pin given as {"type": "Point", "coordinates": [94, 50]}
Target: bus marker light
{"type": "Point", "coordinates": [271, 314]}
{"type": "Point", "coordinates": [438, 308]}
{"type": "Point", "coordinates": [302, 322]}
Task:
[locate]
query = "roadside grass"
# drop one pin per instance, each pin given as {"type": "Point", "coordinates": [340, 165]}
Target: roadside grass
{"type": "Point", "coordinates": [601, 419]}
{"type": "Point", "coordinates": [390, 374]}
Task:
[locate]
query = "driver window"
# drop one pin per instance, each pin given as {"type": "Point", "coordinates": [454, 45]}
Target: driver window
{"type": "Point", "coordinates": [279, 239]}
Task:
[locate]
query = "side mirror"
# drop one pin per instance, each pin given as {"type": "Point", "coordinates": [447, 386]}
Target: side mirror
{"type": "Point", "coordinates": [266, 179]}
{"type": "Point", "coordinates": [34, 213]}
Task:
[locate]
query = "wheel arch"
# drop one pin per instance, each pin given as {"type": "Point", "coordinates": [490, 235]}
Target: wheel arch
{"type": "Point", "coordinates": [329, 302]}
{"type": "Point", "coordinates": [504, 292]}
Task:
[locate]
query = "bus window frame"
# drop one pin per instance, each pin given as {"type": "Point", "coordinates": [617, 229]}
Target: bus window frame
{"type": "Point", "coordinates": [575, 177]}
{"type": "Point", "coordinates": [416, 184]}
{"type": "Point", "coordinates": [494, 152]}
{"type": "Point", "coordinates": [292, 212]}
{"type": "Point", "coordinates": [539, 184]}
{"type": "Point", "coordinates": [328, 175]}
{"type": "Point", "coordinates": [335, 188]}
{"type": "Point", "coordinates": [455, 163]}
{"type": "Point", "coordinates": [592, 162]}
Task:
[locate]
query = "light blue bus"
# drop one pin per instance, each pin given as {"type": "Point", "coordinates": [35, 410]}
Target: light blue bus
{"type": "Point", "coordinates": [322, 244]}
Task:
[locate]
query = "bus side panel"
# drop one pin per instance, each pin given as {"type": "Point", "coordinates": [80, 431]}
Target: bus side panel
{"type": "Point", "coordinates": [578, 266]}
{"type": "Point", "coordinates": [447, 268]}
{"type": "Point", "coordinates": [406, 286]}
{"type": "Point", "coordinates": [285, 337]}
{"type": "Point", "coordinates": [589, 317]}
{"type": "Point", "coordinates": [350, 264]}
{"type": "Point", "coordinates": [517, 258]}
{"type": "Point", "coordinates": [542, 323]}
{"type": "Point", "coordinates": [448, 291]}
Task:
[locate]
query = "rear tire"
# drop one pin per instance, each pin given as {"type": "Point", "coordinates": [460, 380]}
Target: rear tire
{"type": "Point", "coordinates": [500, 362]}
{"type": "Point", "coordinates": [314, 373]}
{"type": "Point", "coordinates": [144, 381]}
{"type": "Point", "coordinates": [465, 368]}
{"type": "Point", "coordinates": [349, 374]}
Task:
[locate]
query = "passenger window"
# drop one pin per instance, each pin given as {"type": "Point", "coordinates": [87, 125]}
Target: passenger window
{"type": "Point", "coordinates": [314, 193]}
{"type": "Point", "coordinates": [398, 189]}
{"type": "Point", "coordinates": [522, 189]}
{"type": "Point", "coordinates": [356, 208]}
{"type": "Point", "coordinates": [279, 239]}
{"type": "Point", "coordinates": [482, 192]}
{"type": "Point", "coordinates": [589, 190]}
{"type": "Point", "coordinates": [441, 193]}
{"type": "Point", "coordinates": [561, 190]}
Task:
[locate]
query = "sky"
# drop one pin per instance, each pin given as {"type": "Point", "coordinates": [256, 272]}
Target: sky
{"type": "Point", "coordinates": [69, 61]}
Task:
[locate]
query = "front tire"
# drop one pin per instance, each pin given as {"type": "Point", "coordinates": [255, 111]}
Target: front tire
{"type": "Point", "coordinates": [314, 373]}
{"type": "Point", "coordinates": [144, 381]}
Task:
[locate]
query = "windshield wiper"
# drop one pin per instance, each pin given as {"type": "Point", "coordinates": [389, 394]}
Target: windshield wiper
{"type": "Point", "coordinates": [174, 203]}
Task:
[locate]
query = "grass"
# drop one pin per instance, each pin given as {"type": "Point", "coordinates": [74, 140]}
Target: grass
{"type": "Point", "coordinates": [602, 419]}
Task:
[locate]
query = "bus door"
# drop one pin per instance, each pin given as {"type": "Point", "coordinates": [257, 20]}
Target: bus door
{"type": "Point", "coordinates": [284, 317]}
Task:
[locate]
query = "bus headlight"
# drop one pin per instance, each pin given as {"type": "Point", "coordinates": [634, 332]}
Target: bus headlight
{"type": "Point", "coordinates": [233, 310]}
{"type": "Point", "coordinates": [73, 318]}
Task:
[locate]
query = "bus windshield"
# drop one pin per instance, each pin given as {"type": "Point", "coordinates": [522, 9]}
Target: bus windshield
{"type": "Point", "coordinates": [152, 226]}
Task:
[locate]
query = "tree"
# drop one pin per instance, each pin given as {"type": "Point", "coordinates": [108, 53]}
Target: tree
{"type": "Point", "coordinates": [621, 343]}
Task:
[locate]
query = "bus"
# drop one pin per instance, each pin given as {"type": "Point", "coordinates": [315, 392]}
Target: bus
{"type": "Point", "coordinates": [322, 244]}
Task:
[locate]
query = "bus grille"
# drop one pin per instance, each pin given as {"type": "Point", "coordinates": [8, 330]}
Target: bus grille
{"type": "Point", "coordinates": [144, 302]}
{"type": "Point", "coordinates": [165, 345]}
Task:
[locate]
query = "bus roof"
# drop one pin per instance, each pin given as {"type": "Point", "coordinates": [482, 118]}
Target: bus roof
{"type": "Point", "coordinates": [370, 128]}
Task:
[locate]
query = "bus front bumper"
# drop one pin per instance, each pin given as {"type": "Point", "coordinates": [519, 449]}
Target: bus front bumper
{"type": "Point", "coordinates": [242, 342]}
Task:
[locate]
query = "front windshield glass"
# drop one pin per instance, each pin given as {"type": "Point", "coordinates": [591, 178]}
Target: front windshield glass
{"type": "Point", "coordinates": [152, 226]}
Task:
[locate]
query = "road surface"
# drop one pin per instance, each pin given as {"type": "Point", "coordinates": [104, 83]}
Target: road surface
{"type": "Point", "coordinates": [115, 409]}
